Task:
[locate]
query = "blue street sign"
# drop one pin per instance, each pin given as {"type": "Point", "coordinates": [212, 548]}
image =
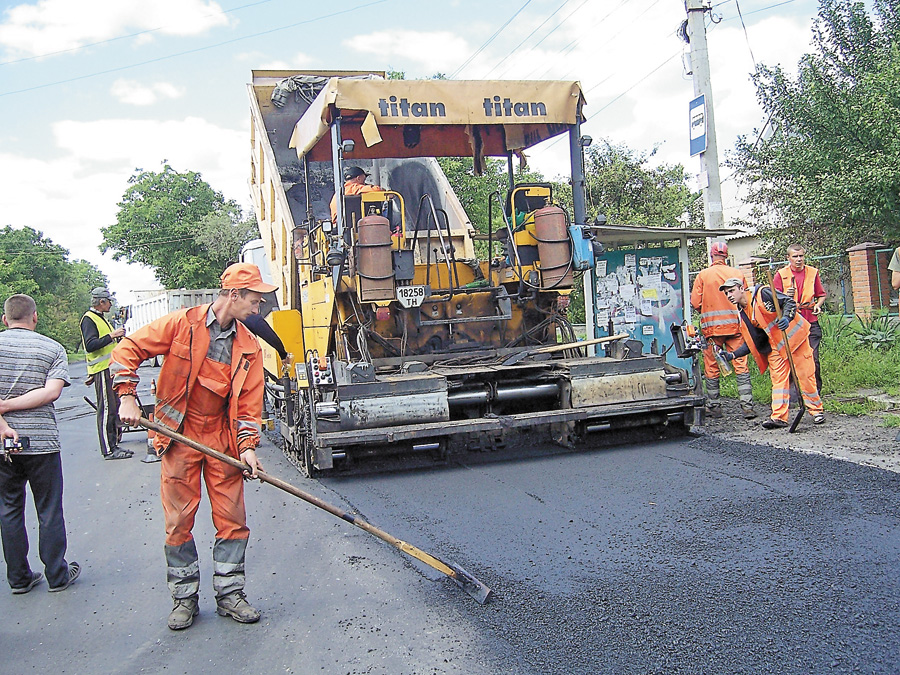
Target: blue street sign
{"type": "Point", "coordinates": [698, 125]}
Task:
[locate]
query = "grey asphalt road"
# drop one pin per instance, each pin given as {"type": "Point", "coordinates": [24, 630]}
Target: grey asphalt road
{"type": "Point", "coordinates": [675, 556]}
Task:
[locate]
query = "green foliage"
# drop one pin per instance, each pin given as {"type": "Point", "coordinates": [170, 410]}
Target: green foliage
{"type": "Point", "coordinates": [854, 407]}
{"type": "Point", "coordinates": [34, 265]}
{"type": "Point", "coordinates": [878, 332]}
{"type": "Point", "coordinates": [475, 191]}
{"type": "Point", "coordinates": [178, 225]}
{"type": "Point", "coordinates": [891, 421]}
{"type": "Point", "coordinates": [832, 161]}
{"type": "Point", "coordinates": [621, 184]}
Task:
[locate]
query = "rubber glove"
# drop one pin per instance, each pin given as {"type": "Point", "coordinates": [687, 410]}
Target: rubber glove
{"type": "Point", "coordinates": [783, 322]}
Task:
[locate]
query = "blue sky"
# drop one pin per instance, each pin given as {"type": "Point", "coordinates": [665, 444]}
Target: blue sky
{"type": "Point", "coordinates": [92, 89]}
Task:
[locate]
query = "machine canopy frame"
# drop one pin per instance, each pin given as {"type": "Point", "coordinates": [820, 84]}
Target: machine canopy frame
{"type": "Point", "coordinates": [437, 118]}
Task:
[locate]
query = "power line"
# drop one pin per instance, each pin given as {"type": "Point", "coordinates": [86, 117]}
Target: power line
{"type": "Point", "coordinates": [553, 30]}
{"type": "Point", "coordinates": [192, 51]}
{"type": "Point", "coordinates": [571, 46]}
{"type": "Point", "coordinates": [528, 37]}
{"type": "Point", "coordinates": [489, 40]}
{"type": "Point", "coordinates": [122, 37]}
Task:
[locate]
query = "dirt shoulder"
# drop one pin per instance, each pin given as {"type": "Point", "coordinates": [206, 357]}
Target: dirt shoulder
{"type": "Point", "coordinates": [862, 439]}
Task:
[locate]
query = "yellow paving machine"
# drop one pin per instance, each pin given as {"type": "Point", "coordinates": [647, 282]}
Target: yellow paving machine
{"type": "Point", "coordinates": [409, 332]}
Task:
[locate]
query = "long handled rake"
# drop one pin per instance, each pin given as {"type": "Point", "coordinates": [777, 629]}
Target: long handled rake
{"type": "Point", "coordinates": [463, 579]}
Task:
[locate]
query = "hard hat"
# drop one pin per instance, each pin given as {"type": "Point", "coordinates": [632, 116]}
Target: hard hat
{"type": "Point", "coordinates": [718, 248]}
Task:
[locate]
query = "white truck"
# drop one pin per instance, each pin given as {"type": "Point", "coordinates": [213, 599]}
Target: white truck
{"type": "Point", "coordinates": [151, 305]}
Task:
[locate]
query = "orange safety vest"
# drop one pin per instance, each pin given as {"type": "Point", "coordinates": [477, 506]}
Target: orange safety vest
{"type": "Point", "coordinates": [351, 188]}
{"type": "Point", "coordinates": [765, 318]}
{"type": "Point", "coordinates": [182, 337]}
{"type": "Point", "coordinates": [806, 296]}
{"type": "Point", "coordinates": [717, 315]}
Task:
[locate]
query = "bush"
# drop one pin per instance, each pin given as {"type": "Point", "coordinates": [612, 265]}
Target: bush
{"type": "Point", "coordinates": [879, 332]}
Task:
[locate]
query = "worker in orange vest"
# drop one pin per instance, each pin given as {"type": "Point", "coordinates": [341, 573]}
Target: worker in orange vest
{"type": "Point", "coordinates": [767, 337]}
{"type": "Point", "coordinates": [803, 283]}
{"type": "Point", "coordinates": [720, 325]}
{"type": "Point", "coordinates": [354, 184]}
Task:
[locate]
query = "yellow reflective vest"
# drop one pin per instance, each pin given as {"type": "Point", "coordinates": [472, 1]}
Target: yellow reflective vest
{"type": "Point", "coordinates": [99, 360]}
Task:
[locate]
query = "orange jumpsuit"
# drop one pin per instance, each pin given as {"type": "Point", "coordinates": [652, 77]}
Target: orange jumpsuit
{"type": "Point", "coordinates": [215, 403]}
{"type": "Point", "coordinates": [760, 312]}
{"type": "Point", "coordinates": [720, 324]}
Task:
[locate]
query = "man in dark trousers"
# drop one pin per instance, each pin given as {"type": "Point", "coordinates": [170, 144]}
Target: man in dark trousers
{"type": "Point", "coordinates": [99, 338]}
{"type": "Point", "coordinates": [33, 372]}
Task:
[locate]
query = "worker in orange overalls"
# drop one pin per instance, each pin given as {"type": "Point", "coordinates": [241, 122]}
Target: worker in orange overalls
{"type": "Point", "coordinates": [803, 283]}
{"type": "Point", "coordinates": [720, 325]}
{"type": "Point", "coordinates": [354, 184]}
{"type": "Point", "coordinates": [210, 389]}
{"type": "Point", "coordinates": [766, 337]}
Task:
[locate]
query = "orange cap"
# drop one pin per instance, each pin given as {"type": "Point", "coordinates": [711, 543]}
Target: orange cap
{"type": "Point", "coordinates": [245, 275]}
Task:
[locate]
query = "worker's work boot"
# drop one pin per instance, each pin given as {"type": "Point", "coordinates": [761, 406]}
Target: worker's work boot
{"type": "Point", "coordinates": [747, 410]}
{"type": "Point", "coordinates": [236, 606]}
{"type": "Point", "coordinates": [182, 615]}
{"type": "Point", "coordinates": [772, 423]}
{"type": "Point", "coordinates": [714, 410]}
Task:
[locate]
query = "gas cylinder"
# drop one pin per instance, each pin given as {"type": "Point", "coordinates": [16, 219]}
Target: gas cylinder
{"type": "Point", "coordinates": [554, 247]}
{"type": "Point", "coordinates": [374, 261]}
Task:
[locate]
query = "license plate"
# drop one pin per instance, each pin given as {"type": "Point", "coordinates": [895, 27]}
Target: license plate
{"type": "Point", "coordinates": [411, 296]}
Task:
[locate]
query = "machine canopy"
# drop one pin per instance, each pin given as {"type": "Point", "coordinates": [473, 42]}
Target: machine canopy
{"type": "Point", "coordinates": [437, 118]}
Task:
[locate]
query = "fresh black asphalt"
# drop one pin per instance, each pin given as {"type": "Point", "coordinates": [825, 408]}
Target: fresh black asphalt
{"type": "Point", "coordinates": [684, 555]}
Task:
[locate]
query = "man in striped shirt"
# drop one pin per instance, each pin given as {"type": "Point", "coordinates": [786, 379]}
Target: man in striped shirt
{"type": "Point", "coordinates": [33, 372]}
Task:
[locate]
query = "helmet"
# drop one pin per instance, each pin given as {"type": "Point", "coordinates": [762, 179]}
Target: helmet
{"type": "Point", "coordinates": [718, 248]}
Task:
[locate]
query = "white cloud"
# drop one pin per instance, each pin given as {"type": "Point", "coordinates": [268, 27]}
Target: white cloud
{"type": "Point", "coordinates": [134, 92]}
{"type": "Point", "coordinates": [432, 51]}
{"type": "Point", "coordinates": [49, 26]}
{"type": "Point", "coordinates": [79, 190]}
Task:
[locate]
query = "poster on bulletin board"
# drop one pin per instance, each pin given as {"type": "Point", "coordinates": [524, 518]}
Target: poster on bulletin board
{"type": "Point", "coordinates": [641, 292]}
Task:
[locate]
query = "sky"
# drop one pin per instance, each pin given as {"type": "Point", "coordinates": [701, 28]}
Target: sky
{"type": "Point", "coordinates": [92, 90]}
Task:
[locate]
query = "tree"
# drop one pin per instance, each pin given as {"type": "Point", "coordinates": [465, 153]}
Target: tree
{"type": "Point", "coordinates": [475, 191]}
{"type": "Point", "coordinates": [831, 162]}
{"type": "Point", "coordinates": [620, 183]}
{"type": "Point", "coordinates": [34, 265]}
{"type": "Point", "coordinates": [160, 223]}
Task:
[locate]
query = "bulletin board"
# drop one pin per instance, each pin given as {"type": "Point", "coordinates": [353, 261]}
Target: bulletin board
{"type": "Point", "coordinates": [642, 291]}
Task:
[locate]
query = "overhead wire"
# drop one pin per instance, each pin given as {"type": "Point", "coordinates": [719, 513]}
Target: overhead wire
{"type": "Point", "coordinates": [123, 37]}
{"type": "Point", "coordinates": [489, 40]}
{"type": "Point", "coordinates": [606, 43]}
{"type": "Point", "coordinates": [528, 37]}
{"type": "Point", "coordinates": [192, 51]}
{"type": "Point", "coordinates": [549, 33]}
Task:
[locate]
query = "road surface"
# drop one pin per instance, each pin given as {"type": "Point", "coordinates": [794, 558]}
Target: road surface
{"type": "Point", "coordinates": [678, 556]}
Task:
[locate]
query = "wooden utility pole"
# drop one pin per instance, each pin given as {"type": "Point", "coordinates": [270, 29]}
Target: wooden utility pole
{"type": "Point", "coordinates": [709, 159]}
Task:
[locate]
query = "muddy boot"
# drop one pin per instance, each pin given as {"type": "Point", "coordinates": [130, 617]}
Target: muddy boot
{"type": "Point", "coordinates": [182, 615]}
{"type": "Point", "coordinates": [747, 410]}
{"type": "Point", "coordinates": [714, 410]}
{"type": "Point", "coordinates": [236, 606]}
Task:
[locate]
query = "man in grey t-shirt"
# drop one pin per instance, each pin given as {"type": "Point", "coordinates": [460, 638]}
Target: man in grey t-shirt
{"type": "Point", "coordinates": [33, 372]}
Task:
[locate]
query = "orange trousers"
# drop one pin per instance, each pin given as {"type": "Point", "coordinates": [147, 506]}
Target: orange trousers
{"type": "Point", "coordinates": [206, 421]}
{"type": "Point", "coordinates": [780, 372]}
{"type": "Point", "coordinates": [729, 343]}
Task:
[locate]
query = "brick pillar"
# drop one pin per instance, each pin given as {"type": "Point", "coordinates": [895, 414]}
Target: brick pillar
{"type": "Point", "coordinates": [748, 267]}
{"type": "Point", "coordinates": [870, 281]}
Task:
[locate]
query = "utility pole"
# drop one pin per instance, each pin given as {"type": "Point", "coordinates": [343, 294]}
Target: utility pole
{"type": "Point", "coordinates": [709, 159]}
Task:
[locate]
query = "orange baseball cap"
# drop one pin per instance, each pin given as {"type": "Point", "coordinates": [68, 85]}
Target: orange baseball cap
{"type": "Point", "coordinates": [245, 275]}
